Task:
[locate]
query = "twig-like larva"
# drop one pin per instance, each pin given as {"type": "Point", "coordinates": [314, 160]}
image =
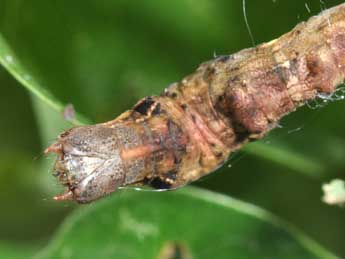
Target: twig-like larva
{"type": "Point", "coordinates": [188, 131]}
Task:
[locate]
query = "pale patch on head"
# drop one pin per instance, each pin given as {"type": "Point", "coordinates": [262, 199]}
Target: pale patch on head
{"type": "Point", "coordinates": [89, 161]}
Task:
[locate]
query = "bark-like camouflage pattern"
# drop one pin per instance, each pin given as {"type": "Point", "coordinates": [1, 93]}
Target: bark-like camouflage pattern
{"type": "Point", "coordinates": [190, 130]}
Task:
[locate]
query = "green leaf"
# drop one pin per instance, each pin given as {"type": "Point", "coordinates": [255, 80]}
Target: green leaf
{"type": "Point", "coordinates": [12, 63]}
{"type": "Point", "coordinates": [16, 251]}
{"type": "Point", "coordinates": [140, 224]}
{"type": "Point", "coordinates": [289, 158]}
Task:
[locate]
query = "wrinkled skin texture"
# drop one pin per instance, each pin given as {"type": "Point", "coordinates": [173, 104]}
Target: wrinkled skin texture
{"type": "Point", "coordinates": [89, 162]}
{"type": "Point", "coordinates": [188, 131]}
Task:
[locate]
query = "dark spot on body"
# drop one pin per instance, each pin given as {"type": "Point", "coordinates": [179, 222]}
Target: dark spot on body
{"type": "Point", "coordinates": [211, 71]}
{"type": "Point", "coordinates": [218, 154]}
{"type": "Point", "coordinates": [173, 95]}
{"type": "Point", "coordinates": [223, 58]}
{"type": "Point", "coordinates": [158, 183]}
{"type": "Point", "coordinates": [184, 106]}
{"type": "Point", "coordinates": [65, 134]}
{"type": "Point", "coordinates": [241, 135]}
{"type": "Point", "coordinates": [144, 106]}
{"type": "Point", "coordinates": [220, 98]}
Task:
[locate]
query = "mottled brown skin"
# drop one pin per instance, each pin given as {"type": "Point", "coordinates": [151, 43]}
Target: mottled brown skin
{"type": "Point", "coordinates": [188, 131]}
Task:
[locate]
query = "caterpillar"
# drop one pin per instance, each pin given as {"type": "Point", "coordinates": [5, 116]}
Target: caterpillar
{"type": "Point", "coordinates": [188, 131]}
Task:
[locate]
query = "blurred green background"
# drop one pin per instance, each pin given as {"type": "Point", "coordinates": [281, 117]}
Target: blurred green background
{"type": "Point", "coordinates": [102, 56]}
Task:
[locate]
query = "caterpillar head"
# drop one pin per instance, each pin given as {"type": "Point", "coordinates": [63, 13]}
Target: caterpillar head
{"type": "Point", "coordinates": [88, 162]}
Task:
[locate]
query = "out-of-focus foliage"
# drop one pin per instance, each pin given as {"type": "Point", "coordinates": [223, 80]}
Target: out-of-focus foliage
{"type": "Point", "coordinates": [103, 56]}
{"type": "Point", "coordinates": [193, 222]}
